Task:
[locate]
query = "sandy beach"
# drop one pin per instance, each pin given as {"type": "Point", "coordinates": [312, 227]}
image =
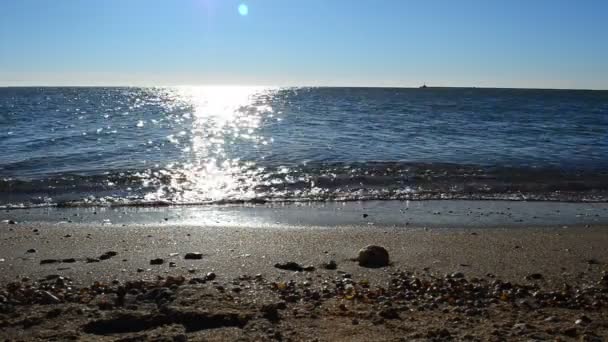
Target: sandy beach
{"type": "Point", "coordinates": [179, 281]}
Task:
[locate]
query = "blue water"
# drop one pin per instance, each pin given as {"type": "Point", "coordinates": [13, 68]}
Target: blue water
{"type": "Point", "coordinates": [192, 145]}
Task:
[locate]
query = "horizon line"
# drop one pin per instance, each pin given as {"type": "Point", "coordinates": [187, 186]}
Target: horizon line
{"type": "Point", "coordinates": [289, 86]}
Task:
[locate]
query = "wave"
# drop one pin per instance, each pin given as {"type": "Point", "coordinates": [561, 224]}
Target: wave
{"type": "Point", "coordinates": [304, 183]}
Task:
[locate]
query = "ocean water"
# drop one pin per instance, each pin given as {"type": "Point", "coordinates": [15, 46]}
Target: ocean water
{"type": "Point", "coordinates": [201, 145]}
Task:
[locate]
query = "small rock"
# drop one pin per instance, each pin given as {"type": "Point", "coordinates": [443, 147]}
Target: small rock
{"type": "Point", "coordinates": [373, 256]}
{"type": "Point", "coordinates": [210, 276]}
{"type": "Point", "coordinates": [583, 320]}
{"type": "Point", "coordinates": [172, 264]}
{"type": "Point", "coordinates": [69, 260]}
{"type": "Point", "coordinates": [49, 298]}
{"type": "Point", "coordinates": [157, 261]}
{"type": "Point", "coordinates": [32, 250]}
{"type": "Point", "coordinates": [49, 261]}
{"type": "Point", "coordinates": [293, 266]}
{"type": "Point", "coordinates": [11, 222]}
{"type": "Point", "coordinates": [196, 281]}
{"type": "Point", "coordinates": [331, 265]}
{"type": "Point", "coordinates": [193, 256]}
{"type": "Point", "coordinates": [107, 255]}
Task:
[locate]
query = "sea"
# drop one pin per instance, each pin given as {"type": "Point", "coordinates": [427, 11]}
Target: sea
{"type": "Point", "coordinates": [159, 146]}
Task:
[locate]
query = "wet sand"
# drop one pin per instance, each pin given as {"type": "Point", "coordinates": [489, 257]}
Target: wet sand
{"type": "Point", "coordinates": [544, 266]}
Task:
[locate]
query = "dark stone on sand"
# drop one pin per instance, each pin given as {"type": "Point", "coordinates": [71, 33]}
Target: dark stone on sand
{"type": "Point", "coordinates": [196, 281]}
{"type": "Point", "coordinates": [293, 266]}
{"type": "Point", "coordinates": [69, 260]}
{"type": "Point", "coordinates": [373, 256]}
{"type": "Point", "coordinates": [210, 276]}
{"type": "Point", "coordinates": [107, 255]}
{"type": "Point", "coordinates": [157, 261]}
{"type": "Point", "coordinates": [193, 256]}
{"type": "Point", "coordinates": [49, 298]}
{"type": "Point", "coordinates": [32, 250]}
{"type": "Point", "coordinates": [49, 261]}
{"type": "Point", "coordinates": [11, 222]}
{"type": "Point", "coordinates": [365, 215]}
{"type": "Point", "coordinates": [331, 265]}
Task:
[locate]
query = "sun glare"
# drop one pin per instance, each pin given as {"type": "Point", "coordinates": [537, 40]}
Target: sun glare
{"type": "Point", "coordinates": [243, 10]}
{"type": "Point", "coordinates": [221, 117]}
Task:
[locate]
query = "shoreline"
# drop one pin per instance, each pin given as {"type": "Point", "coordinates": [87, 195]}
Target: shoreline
{"type": "Point", "coordinates": [393, 213]}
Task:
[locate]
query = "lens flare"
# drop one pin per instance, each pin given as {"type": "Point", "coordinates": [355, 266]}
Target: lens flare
{"type": "Point", "coordinates": [243, 10]}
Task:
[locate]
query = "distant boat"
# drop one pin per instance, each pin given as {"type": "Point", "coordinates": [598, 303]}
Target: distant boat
{"type": "Point", "coordinates": [423, 86]}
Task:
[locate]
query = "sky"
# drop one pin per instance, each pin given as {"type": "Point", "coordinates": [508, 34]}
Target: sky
{"type": "Point", "coordinates": [484, 43]}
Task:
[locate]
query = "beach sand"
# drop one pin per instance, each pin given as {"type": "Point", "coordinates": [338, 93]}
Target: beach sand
{"type": "Point", "coordinates": [92, 281]}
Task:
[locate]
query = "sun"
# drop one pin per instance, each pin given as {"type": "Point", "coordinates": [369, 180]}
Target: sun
{"type": "Point", "coordinates": [243, 10]}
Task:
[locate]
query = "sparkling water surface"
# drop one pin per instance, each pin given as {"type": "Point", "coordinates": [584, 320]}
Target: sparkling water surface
{"type": "Point", "coordinates": [192, 145]}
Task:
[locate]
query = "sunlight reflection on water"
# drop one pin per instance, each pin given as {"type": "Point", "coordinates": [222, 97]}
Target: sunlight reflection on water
{"type": "Point", "coordinates": [221, 118]}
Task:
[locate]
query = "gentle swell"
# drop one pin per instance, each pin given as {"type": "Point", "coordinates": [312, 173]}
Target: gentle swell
{"type": "Point", "coordinates": [327, 182]}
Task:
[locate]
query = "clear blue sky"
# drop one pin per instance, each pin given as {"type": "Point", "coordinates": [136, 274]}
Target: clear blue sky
{"type": "Point", "coordinates": [505, 43]}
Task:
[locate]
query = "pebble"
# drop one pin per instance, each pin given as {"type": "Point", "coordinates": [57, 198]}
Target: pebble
{"type": "Point", "coordinates": [293, 266]}
{"type": "Point", "coordinates": [210, 276]}
{"type": "Point", "coordinates": [331, 265]}
{"type": "Point", "coordinates": [107, 255]}
{"type": "Point", "coordinates": [32, 250]}
{"type": "Point", "coordinates": [49, 298]}
{"type": "Point", "coordinates": [193, 256]}
{"type": "Point", "coordinates": [157, 261]}
{"type": "Point", "coordinates": [373, 256]}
